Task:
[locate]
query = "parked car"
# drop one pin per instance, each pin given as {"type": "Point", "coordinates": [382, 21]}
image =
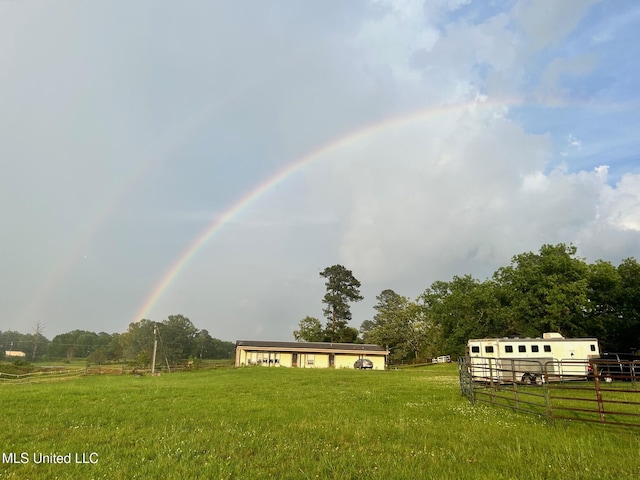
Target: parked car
{"type": "Point", "coordinates": [363, 363]}
{"type": "Point", "coordinates": [616, 366]}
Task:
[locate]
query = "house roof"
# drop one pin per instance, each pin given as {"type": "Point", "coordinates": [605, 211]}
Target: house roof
{"type": "Point", "coordinates": [313, 346]}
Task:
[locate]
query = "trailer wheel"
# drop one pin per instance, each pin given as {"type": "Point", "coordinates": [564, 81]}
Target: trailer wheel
{"type": "Point", "coordinates": [526, 379]}
{"type": "Point", "coordinates": [535, 379]}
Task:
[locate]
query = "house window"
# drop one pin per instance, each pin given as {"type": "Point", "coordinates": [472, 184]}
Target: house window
{"type": "Point", "coordinates": [475, 349]}
{"type": "Point", "coordinates": [522, 348]}
{"type": "Point", "coordinates": [488, 349]}
{"type": "Point", "coordinates": [547, 348]}
{"type": "Point", "coordinates": [593, 348]}
{"type": "Point", "coordinates": [535, 348]}
{"type": "Point", "coordinates": [311, 359]}
{"type": "Point", "coordinates": [508, 348]}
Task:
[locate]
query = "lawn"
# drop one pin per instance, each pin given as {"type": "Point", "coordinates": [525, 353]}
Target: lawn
{"type": "Point", "coordinates": [292, 423]}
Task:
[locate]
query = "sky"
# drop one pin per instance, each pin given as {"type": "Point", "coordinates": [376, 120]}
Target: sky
{"type": "Point", "coordinates": [211, 158]}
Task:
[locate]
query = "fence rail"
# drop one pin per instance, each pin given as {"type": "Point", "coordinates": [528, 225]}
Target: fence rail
{"type": "Point", "coordinates": [50, 374]}
{"type": "Point", "coordinates": [569, 390]}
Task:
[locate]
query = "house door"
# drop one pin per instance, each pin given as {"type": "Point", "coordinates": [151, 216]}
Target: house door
{"type": "Point", "coordinates": [332, 360]}
{"type": "Point", "coordinates": [294, 359]}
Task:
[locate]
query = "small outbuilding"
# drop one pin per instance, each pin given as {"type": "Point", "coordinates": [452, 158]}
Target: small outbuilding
{"type": "Point", "coordinates": [14, 354]}
{"type": "Point", "coordinates": [308, 354]}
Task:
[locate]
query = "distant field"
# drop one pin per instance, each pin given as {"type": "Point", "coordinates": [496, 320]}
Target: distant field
{"type": "Point", "coordinates": [292, 423]}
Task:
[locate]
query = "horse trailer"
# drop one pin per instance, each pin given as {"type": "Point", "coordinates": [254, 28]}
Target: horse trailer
{"type": "Point", "coordinates": [531, 360]}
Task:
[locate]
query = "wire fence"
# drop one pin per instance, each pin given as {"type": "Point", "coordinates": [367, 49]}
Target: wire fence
{"type": "Point", "coordinates": [605, 392]}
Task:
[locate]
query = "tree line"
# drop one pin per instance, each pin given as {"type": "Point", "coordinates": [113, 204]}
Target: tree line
{"type": "Point", "coordinates": [177, 339]}
{"type": "Point", "coordinates": [553, 290]}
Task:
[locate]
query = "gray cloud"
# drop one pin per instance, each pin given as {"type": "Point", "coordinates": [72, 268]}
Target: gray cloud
{"type": "Point", "coordinates": [129, 127]}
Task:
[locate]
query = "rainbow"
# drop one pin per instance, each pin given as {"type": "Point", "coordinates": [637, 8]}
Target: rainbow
{"type": "Point", "coordinates": [368, 131]}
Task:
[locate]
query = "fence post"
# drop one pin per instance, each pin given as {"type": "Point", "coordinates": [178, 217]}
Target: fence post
{"type": "Point", "coordinates": [469, 371]}
{"type": "Point", "coordinates": [514, 382]}
{"type": "Point", "coordinates": [546, 392]}
{"type": "Point", "coordinates": [491, 385]}
{"type": "Point", "coordinates": [596, 383]}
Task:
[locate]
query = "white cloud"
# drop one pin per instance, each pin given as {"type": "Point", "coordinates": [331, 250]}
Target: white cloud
{"type": "Point", "coordinates": [466, 189]}
{"type": "Point", "coordinates": [389, 40]}
{"type": "Point", "coordinates": [429, 186]}
{"type": "Point", "coordinates": [572, 145]}
{"type": "Point", "coordinates": [620, 206]}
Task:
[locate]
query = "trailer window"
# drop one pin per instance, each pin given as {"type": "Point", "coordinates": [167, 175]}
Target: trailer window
{"type": "Point", "coordinates": [522, 348]}
{"type": "Point", "coordinates": [488, 349]}
{"type": "Point", "coordinates": [593, 348]}
{"type": "Point", "coordinates": [475, 349]}
{"type": "Point", "coordinates": [547, 348]}
{"type": "Point", "coordinates": [508, 348]}
{"type": "Point", "coordinates": [534, 348]}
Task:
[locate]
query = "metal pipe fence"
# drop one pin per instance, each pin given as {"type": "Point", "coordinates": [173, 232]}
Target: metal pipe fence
{"type": "Point", "coordinates": [597, 391]}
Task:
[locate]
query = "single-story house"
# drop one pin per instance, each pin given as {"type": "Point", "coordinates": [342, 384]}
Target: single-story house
{"type": "Point", "coordinates": [307, 354]}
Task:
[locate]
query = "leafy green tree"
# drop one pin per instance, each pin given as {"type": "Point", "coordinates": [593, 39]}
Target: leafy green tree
{"type": "Point", "coordinates": [177, 336]}
{"type": "Point", "coordinates": [460, 309]}
{"type": "Point", "coordinates": [545, 292]}
{"type": "Point", "coordinates": [602, 317]}
{"type": "Point", "coordinates": [202, 345]}
{"type": "Point", "coordinates": [178, 340]}
{"type": "Point", "coordinates": [627, 327]}
{"type": "Point", "coordinates": [387, 327]}
{"type": "Point", "coordinates": [417, 332]}
{"type": "Point", "coordinates": [342, 288]}
{"type": "Point", "coordinates": [309, 330]}
{"type": "Point", "coordinates": [347, 335]}
{"type": "Point", "coordinates": [33, 345]}
{"type": "Point", "coordinates": [109, 349]}
{"type": "Point", "coordinates": [399, 325]}
{"type": "Point", "coordinates": [222, 349]}
{"type": "Point", "coordinates": [137, 340]}
{"type": "Point", "coordinates": [75, 344]}
{"type": "Point", "coordinates": [366, 327]}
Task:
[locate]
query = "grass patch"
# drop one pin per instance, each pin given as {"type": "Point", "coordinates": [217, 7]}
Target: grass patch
{"type": "Point", "coordinates": [295, 423]}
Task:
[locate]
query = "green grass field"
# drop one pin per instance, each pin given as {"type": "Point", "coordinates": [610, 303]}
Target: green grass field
{"type": "Point", "coordinates": [258, 423]}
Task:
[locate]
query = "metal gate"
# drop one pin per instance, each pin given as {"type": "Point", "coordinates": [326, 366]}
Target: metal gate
{"type": "Point", "coordinates": [576, 390]}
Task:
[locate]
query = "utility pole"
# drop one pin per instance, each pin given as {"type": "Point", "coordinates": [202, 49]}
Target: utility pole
{"type": "Point", "coordinates": [155, 346]}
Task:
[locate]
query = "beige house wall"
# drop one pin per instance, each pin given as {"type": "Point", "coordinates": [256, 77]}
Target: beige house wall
{"type": "Point", "coordinates": [347, 360]}
{"type": "Point", "coordinates": [378, 362]}
{"type": "Point", "coordinates": [285, 359]}
{"type": "Point", "coordinates": [268, 357]}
